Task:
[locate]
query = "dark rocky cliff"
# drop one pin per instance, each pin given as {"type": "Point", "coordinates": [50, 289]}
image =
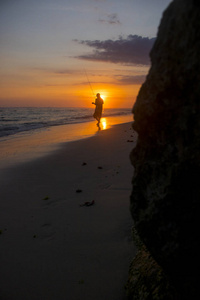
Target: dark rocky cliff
{"type": "Point", "coordinates": [166, 183]}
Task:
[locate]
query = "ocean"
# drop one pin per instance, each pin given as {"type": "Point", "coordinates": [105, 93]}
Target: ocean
{"type": "Point", "coordinates": [21, 120]}
{"type": "Point", "coordinates": [28, 133]}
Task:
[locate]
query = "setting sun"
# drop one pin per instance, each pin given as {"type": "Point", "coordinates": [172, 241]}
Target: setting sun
{"type": "Point", "coordinates": [103, 97]}
{"type": "Point", "coordinates": [104, 93]}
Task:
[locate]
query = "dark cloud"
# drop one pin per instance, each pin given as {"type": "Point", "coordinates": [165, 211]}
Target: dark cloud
{"type": "Point", "coordinates": [111, 19]}
{"type": "Point", "coordinates": [133, 49]}
{"type": "Point", "coordinates": [121, 80]}
{"type": "Point", "coordinates": [129, 80]}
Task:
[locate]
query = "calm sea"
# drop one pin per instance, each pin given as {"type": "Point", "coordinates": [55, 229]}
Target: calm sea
{"type": "Point", "coordinates": [19, 120]}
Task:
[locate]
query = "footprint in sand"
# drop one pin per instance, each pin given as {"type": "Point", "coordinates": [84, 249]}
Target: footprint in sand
{"type": "Point", "coordinates": [49, 202]}
{"type": "Point", "coordinates": [47, 232]}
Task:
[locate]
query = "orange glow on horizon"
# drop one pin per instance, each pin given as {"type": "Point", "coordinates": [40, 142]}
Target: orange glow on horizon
{"type": "Point", "coordinates": [114, 96]}
{"type": "Point", "coordinates": [66, 94]}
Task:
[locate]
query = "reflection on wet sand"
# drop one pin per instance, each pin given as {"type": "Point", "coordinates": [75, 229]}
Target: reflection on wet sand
{"type": "Point", "coordinates": [29, 145]}
{"type": "Point", "coordinates": [104, 123]}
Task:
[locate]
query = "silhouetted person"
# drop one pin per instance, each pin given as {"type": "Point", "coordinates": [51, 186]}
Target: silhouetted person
{"type": "Point", "coordinates": [98, 110]}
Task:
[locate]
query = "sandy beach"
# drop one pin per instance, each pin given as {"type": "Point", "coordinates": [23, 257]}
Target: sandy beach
{"type": "Point", "coordinates": [53, 246]}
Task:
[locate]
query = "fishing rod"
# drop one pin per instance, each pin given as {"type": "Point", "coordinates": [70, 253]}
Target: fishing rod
{"type": "Point", "coordinates": [89, 83]}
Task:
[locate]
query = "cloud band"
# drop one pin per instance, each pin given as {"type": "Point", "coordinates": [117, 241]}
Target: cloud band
{"type": "Point", "coordinates": [131, 50]}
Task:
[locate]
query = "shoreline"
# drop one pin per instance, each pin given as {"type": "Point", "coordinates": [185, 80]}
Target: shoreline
{"type": "Point", "coordinates": [25, 146]}
{"type": "Point", "coordinates": [52, 247]}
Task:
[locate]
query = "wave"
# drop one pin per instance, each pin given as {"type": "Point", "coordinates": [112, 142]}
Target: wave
{"type": "Point", "coordinates": [21, 120]}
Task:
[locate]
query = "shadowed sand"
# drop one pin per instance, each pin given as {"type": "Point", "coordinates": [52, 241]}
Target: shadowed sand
{"type": "Point", "coordinates": [51, 246]}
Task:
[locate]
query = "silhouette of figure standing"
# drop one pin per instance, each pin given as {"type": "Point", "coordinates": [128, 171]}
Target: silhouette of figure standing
{"type": "Point", "coordinates": [99, 106]}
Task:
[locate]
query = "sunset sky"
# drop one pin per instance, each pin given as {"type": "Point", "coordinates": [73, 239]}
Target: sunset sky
{"type": "Point", "coordinates": [58, 52]}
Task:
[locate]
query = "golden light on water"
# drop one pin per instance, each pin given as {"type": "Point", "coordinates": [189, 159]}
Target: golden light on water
{"type": "Point", "coordinates": [103, 123]}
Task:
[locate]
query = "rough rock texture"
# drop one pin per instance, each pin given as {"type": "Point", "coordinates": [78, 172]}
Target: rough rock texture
{"type": "Point", "coordinates": [147, 280]}
{"type": "Point", "coordinates": [166, 188]}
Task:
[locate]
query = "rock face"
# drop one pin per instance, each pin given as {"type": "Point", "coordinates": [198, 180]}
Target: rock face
{"type": "Point", "coordinates": [166, 184]}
